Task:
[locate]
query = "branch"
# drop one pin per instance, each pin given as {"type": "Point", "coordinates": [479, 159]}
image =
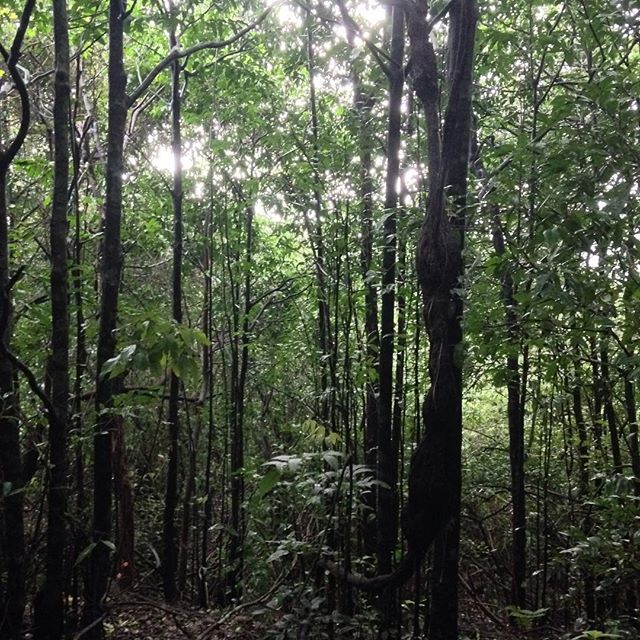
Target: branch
{"type": "Point", "coordinates": [22, 28]}
{"type": "Point", "coordinates": [15, 361]}
{"type": "Point", "coordinates": [177, 53]}
{"type": "Point", "coordinates": [11, 58]}
{"type": "Point", "coordinates": [354, 28]}
{"type": "Point", "coordinates": [439, 16]}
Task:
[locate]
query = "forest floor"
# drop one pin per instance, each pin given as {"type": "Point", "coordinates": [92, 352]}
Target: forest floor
{"type": "Point", "coordinates": [138, 616]}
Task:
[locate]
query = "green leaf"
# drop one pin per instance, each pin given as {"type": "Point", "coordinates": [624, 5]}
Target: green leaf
{"type": "Point", "coordinates": [268, 481]}
{"type": "Point", "coordinates": [85, 553]}
{"type": "Point", "coordinates": [120, 363]}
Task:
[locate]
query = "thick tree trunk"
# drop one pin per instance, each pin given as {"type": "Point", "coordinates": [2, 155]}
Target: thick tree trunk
{"type": "Point", "coordinates": [440, 266]}
{"type": "Point", "coordinates": [110, 271]}
{"type": "Point", "coordinates": [49, 609]}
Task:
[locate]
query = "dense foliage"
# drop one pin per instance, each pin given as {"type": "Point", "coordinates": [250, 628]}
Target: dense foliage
{"type": "Point", "coordinates": [236, 408]}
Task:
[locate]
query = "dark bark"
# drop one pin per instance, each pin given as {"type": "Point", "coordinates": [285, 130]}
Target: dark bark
{"type": "Point", "coordinates": [207, 376]}
{"type": "Point", "coordinates": [632, 424]}
{"type": "Point", "coordinates": [584, 472]}
{"type": "Point", "coordinates": [110, 272]}
{"type": "Point", "coordinates": [515, 417]}
{"type": "Point", "coordinates": [125, 545]}
{"type": "Point", "coordinates": [436, 467]}
{"type": "Point", "coordinates": [12, 595]}
{"type": "Point", "coordinates": [399, 388]}
{"type": "Point", "coordinates": [385, 467]}
{"type": "Point", "coordinates": [363, 104]}
{"type": "Point", "coordinates": [49, 606]}
{"type": "Point", "coordinates": [170, 545]}
{"type": "Point", "coordinates": [609, 411]}
{"type": "Point", "coordinates": [433, 502]}
{"type": "Point", "coordinates": [79, 533]}
{"type": "Point", "coordinates": [386, 512]}
{"type": "Point", "coordinates": [240, 367]}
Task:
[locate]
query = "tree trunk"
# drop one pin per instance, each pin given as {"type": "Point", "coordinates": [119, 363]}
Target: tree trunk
{"type": "Point", "coordinates": [386, 516]}
{"type": "Point", "coordinates": [237, 433]}
{"type": "Point", "coordinates": [515, 417]}
{"type": "Point", "coordinates": [435, 476]}
{"type": "Point", "coordinates": [609, 411]}
{"type": "Point", "coordinates": [12, 598]}
{"type": "Point", "coordinates": [110, 272]}
{"type": "Point", "coordinates": [49, 606]}
{"type": "Point", "coordinates": [207, 376]}
{"type": "Point", "coordinates": [125, 546]}
{"type": "Point", "coordinates": [170, 545]}
{"type": "Point", "coordinates": [363, 105]}
{"type": "Point", "coordinates": [584, 473]}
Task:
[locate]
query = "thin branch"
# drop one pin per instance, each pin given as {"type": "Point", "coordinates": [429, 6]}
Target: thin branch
{"type": "Point", "coordinates": [177, 53]}
{"type": "Point", "coordinates": [353, 28]}
{"type": "Point", "coordinates": [88, 628]}
{"type": "Point", "coordinates": [439, 16]}
{"type": "Point", "coordinates": [11, 58]}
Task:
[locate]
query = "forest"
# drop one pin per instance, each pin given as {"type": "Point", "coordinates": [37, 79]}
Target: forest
{"type": "Point", "coordinates": [317, 319]}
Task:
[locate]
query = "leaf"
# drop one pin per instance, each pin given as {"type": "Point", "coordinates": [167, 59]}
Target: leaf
{"type": "Point", "coordinates": [277, 554]}
{"type": "Point", "coordinates": [85, 553]}
{"type": "Point", "coordinates": [268, 481]}
{"type": "Point", "coordinates": [120, 363]}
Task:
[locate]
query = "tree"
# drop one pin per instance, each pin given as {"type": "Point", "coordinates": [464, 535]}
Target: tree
{"type": "Point", "coordinates": [13, 597]}
{"type": "Point", "coordinates": [49, 609]}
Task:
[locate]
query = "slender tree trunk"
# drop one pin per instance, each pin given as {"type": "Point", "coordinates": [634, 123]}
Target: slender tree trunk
{"type": "Point", "coordinates": [110, 272]}
{"type": "Point", "coordinates": [609, 411]}
{"type": "Point", "coordinates": [207, 375]}
{"type": "Point", "coordinates": [49, 609]}
{"type": "Point", "coordinates": [170, 545]}
{"type": "Point", "coordinates": [125, 546]}
{"type": "Point", "coordinates": [632, 421]}
{"type": "Point", "coordinates": [12, 597]}
{"type": "Point", "coordinates": [241, 367]}
{"type": "Point", "coordinates": [80, 537]}
{"type": "Point", "coordinates": [13, 593]}
{"type": "Point", "coordinates": [187, 500]}
{"type": "Point", "coordinates": [387, 501]}
{"type": "Point", "coordinates": [363, 105]}
{"type": "Point", "coordinates": [515, 417]}
{"type": "Point", "coordinates": [584, 472]}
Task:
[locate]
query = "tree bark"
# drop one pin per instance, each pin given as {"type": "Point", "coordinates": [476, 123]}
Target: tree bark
{"type": "Point", "coordinates": [515, 418]}
{"type": "Point", "coordinates": [363, 104]}
{"type": "Point", "coordinates": [436, 466]}
{"type": "Point", "coordinates": [12, 598]}
{"type": "Point", "coordinates": [386, 512]}
{"type": "Point", "coordinates": [110, 272]}
{"type": "Point", "coordinates": [170, 545]}
{"type": "Point", "coordinates": [49, 606]}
